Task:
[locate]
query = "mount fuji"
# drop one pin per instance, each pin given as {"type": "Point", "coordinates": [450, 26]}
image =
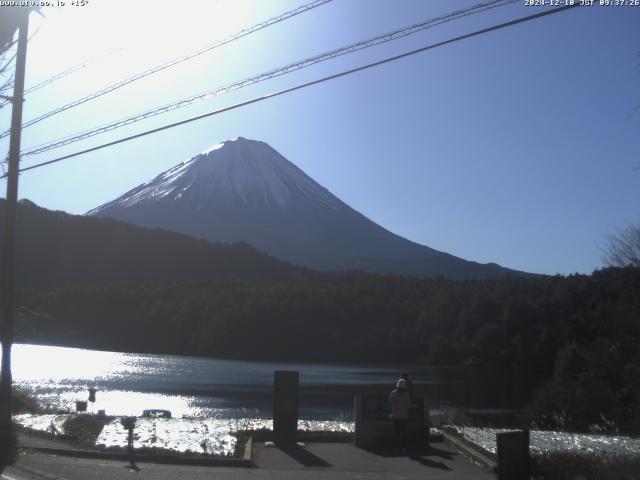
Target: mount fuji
{"type": "Point", "coordinates": [244, 190]}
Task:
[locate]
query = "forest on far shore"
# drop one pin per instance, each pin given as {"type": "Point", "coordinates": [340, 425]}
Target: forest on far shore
{"type": "Point", "coordinates": [582, 330]}
{"type": "Point", "coordinates": [98, 283]}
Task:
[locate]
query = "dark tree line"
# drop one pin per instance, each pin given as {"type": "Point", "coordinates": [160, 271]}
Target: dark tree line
{"type": "Point", "coordinates": [103, 284]}
{"type": "Point", "coordinates": [352, 317]}
{"type": "Point", "coordinates": [582, 330]}
{"type": "Point", "coordinates": [55, 248]}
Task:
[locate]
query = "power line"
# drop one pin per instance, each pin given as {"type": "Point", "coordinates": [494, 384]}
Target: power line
{"type": "Point", "coordinates": [8, 63]}
{"type": "Point", "coordinates": [307, 84]}
{"type": "Point", "coordinates": [62, 74]}
{"type": "Point", "coordinates": [371, 42]}
{"type": "Point", "coordinates": [175, 61]}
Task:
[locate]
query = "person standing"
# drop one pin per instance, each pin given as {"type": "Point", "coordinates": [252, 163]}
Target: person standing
{"type": "Point", "coordinates": [409, 383]}
{"type": "Point", "coordinates": [400, 400]}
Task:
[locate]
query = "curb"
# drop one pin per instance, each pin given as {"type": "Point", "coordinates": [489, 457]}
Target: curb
{"type": "Point", "coordinates": [247, 455]}
{"type": "Point", "coordinates": [330, 437]}
{"type": "Point", "coordinates": [244, 462]}
{"type": "Point", "coordinates": [472, 452]}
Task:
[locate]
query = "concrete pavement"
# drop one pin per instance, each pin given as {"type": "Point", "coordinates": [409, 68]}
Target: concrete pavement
{"type": "Point", "coordinates": [318, 461]}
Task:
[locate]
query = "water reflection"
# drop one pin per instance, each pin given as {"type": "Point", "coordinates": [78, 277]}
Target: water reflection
{"type": "Point", "coordinates": [214, 388]}
{"type": "Point", "coordinates": [188, 387]}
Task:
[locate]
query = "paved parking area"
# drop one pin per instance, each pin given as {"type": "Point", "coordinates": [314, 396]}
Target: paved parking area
{"type": "Point", "coordinates": [336, 461]}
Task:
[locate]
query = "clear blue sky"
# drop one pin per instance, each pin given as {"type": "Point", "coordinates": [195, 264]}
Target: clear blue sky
{"type": "Point", "coordinates": [516, 147]}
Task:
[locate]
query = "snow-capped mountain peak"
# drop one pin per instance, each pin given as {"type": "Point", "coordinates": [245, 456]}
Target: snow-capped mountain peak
{"type": "Point", "coordinates": [244, 190]}
{"type": "Point", "coordinates": [248, 170]}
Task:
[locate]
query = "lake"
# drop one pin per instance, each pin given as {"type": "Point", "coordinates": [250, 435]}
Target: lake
{"type": "Point", "coordinates": [194, 387]}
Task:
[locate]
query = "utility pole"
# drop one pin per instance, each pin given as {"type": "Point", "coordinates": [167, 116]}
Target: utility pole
{"type": "Point", "coordinates": [8, 301]}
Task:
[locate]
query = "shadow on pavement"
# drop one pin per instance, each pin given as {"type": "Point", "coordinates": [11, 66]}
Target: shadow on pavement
{"type": "Point", "coordinates": [302, 456]}
{"type": "Point", "coordinates": [420, 454]}
{"type": "Point", "coordinates": [132, 466]}
{"type": "Point", "coordinates": [8, 442]}
{"type": "Point", "coordinates": [434, 452]}
{"type": "Point", "coordinates": [7, 458]}
{"type": "Point", "coordinates": [430, 463]}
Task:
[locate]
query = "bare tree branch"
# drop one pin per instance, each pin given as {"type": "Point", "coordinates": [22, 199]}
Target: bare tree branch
{"type": "Point", "coordinates": [8, 27]}
{"type": "Point", "coordinates": [623, 247]}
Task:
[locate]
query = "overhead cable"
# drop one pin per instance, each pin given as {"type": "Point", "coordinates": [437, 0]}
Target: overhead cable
{"type": "Point", "coordinates": [307, 84]}
{"type": "Point", "coordinates": [63, 74]}
{"type": "Point", "coordinates": [171, 63]}
{"type": "Point", "coordinates": [292, 67]}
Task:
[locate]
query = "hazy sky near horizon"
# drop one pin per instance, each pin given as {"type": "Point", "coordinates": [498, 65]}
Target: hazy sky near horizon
{"type": "Point", "coordinates": [518, 147]}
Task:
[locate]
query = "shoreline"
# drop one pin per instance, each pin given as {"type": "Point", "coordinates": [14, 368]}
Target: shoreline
{"type": "Point", "coordinates": [201, 436]}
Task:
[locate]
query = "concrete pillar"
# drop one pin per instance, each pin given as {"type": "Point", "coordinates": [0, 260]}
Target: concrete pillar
{"type": "Point", "coordinates": [513, 455]}
{"type": "Point", "coordinates": [285, 406]}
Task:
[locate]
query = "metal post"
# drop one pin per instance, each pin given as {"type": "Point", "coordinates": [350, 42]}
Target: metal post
{"type": "Point", "coordinates": [8, 307]}
{"type": "Point", "coordinates": [129, 423]}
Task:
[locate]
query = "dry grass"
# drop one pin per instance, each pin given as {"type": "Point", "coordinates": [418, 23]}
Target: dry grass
{"type": "Point", "coordinates": [84, 429]}
{"type": "Point", "coordinates": [21, 402]}
{"type": "Point", "coordinates": [567, 466]}
{"type": "Point", "coordinates": [24, 402]}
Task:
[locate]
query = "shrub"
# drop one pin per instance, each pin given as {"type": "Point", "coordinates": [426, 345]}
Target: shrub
{"type": "Point", "coordinates": [24, 402]}
{"type": "Point", "coordinates": [85, 428]}
{"type": "Point", "coordinates": [567, 466]}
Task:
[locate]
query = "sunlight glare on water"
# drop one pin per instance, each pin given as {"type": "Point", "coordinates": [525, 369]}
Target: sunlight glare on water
{"type": "Point", "coordinates": [61, 376]}
{"type": "Point", "coordinates": [129, 383]}
{"type": "Point", "coordinates": [37, 362]}
{"type": "Point", "coordinates": [211, 436]}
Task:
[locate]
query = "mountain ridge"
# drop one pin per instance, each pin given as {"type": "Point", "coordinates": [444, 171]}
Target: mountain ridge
{"type": "Point", "coordinates": [244, 190]}
{"type": "Point", "coordinates": [57, 248]}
